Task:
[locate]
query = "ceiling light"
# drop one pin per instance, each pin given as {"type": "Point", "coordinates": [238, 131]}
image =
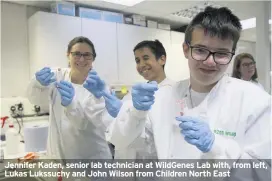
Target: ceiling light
{"type": "Point", "coordinates": [194, 10]}
{"type": "Point", "coordinates": [125, 2]}
{"type": "Point", "coordinates": [250, 23]}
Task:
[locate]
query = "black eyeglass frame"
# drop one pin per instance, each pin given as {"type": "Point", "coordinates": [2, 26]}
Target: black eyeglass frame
{"type": "Point", "coordinates": [210, 53]}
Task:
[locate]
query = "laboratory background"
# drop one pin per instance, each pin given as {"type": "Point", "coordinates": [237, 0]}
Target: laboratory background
{"type": "Point", "coordinates": [35, 34]}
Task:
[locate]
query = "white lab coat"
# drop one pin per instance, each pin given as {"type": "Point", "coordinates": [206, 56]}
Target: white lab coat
{"type": "Point", "coordinates": [257, 83]}
{"type": "Point", "coordinates": [78, 130]}
{"type": "Point", "coordinates": [129, 141]}
{"type": "Point", "coordinates": [232, 106]}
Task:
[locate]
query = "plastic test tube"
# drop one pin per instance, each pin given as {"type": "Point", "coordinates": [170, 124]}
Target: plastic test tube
{"type": "Point", "coordinates": [182, 107]}
{"type": "Point", "coordinates": [57, 77]}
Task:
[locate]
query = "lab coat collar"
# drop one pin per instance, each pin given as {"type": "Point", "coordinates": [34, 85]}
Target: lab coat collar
{"type": "Point", "coordinates": [215, 88]}
{"type": "Point", "coordinates": [165, 82]}
{"type": "Point", "coordinates": [212, 94]}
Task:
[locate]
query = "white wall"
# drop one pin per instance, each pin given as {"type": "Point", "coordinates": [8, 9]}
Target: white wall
{"type": "Point", "coordinates": [263, 44]}
{"type": "Point", "coordinates": [14, 55]}
{"type": "Point", "coordinates": [14, 51]}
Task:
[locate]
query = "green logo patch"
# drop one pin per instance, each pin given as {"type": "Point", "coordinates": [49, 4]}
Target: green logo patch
{"type": "Point", "coordinates": [225, 133]}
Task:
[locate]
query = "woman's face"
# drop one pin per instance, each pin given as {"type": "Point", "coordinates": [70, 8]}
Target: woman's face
{"type": "Point", "coordinates": [247, 68]}
{"type": "Point", "coordinates": [81, 57]}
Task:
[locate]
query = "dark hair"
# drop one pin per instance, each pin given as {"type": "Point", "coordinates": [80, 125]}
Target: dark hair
{"type": "Point", "coordinates": [237, 63]}
{"type": "Point", "coordinates": [219, 22]}
{"type": "Point", "coordinates": [156, 48]}
{"type": "Point", "coordinates": [81, 39]}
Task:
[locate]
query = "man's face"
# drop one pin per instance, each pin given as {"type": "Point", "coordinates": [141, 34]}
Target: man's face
{"type": "Point", "coordinates": [147, 65]}
{"type": "Point", "coordinates": [207, 72]}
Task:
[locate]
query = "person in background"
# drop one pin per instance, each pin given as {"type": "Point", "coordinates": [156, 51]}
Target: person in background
{"type": "Point", "coordinates": [244, 67]}
{"type": "Point", "coordinates": [73, 95]}
{"type": "Point", "coordinates": [150, 58]}
{"type": "Point", "coordinates": [223, 119]}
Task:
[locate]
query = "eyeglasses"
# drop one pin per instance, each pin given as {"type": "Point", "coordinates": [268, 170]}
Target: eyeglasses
{"type": "Point", "coordinates": [202, 54]}
{"type": "Point", "coordinates": [86, 56]}
{"type": "Point", "coordinates": [248, 64]}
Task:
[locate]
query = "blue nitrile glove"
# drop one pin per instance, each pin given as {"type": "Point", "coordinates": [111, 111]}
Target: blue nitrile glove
{"type": "Point", "coordinates": [66, 91]}
{"type": "Point", "coordinates": [196, 132]}
{"type": "Point", "coordinates": [44, 76]}
{"type": "Point", "coordinates": [94, 84]}
{"type": "Point", "coordinates": [143, 95]}
{"type": "Point", "coordinates": [113, 104]}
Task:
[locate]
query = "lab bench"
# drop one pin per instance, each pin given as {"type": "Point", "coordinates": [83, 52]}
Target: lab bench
{"type": "Point", "coordinates": [13, 158]}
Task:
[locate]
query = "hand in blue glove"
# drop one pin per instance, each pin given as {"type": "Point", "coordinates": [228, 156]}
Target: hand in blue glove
{"type": "Point", "coordinates": [94, 84]}
{"type": "Point", "coordinates": [44, 76]}
{"type": "Point", "coordinates": [196, 132]}
{"type": "Point", "coordinates": [113, 104]}
{"type": "Point", "coordinates": [143, 95]}
{"type": "Point", "coordinates": [66, 91]}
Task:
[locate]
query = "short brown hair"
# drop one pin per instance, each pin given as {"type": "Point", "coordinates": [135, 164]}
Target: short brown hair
{"type": "Point", "coordinates": [237, 63]}
{"type": "Point", "coordinates": [220, 22]}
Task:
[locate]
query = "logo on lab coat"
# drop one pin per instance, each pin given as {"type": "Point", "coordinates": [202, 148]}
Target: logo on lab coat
{"type": "Point", "coordinates": [225, 133]}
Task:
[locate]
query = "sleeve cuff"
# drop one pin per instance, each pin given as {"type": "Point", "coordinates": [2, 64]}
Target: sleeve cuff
{"type": "Point", "coordinates": [98, 100]}
{"type": "Point", "coordinates": [71, 106]}
{"type": "Point", "coordinates": [92, 100]}
{"type": "Point", "coordinates": [224, 148]}
{"type": "Point", "coordinates": [138, 114]}
{"type": "Point", "coordinates": [38, 84]}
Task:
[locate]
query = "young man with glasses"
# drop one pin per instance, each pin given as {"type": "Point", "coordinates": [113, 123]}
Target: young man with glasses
{"type": "Point", "coordinates": [225, 119]}
{"type": "Point", "coordinates": [222, 117]}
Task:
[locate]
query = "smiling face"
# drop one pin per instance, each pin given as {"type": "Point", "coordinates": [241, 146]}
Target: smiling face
{"type": "Point", "coordinates": [81, 58]}
{"type": "Point", "coordinates": [148, 66]}
{"type": "Point", "coordinates": [207, 72]}
{"type": "Point", "coordinates": [247, 68]}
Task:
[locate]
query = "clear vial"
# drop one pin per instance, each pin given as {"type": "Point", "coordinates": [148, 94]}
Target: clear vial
{"type": "Point", "coordinates": [181, 107]}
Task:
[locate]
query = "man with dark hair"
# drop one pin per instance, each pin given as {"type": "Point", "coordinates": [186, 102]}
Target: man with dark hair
{"type": "Point", "coordinates": [221, 125]}
{"type": "Point", "coordinates": [220, 117]}
{"type": "Point", "coordinates": [150, 58]}
{"type": "Point", "coordinates": [155, 47]}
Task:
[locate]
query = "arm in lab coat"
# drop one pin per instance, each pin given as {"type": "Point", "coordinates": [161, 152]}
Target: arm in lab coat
{"type": "Point", "coordinates": [256, 114]}
{"type": "Point", "coordinates": [256, 149]}
{"type": "Point", "coordinates": [257, 142]}
{"type": "Point", "coordinates": [41, 95]}
{"type": "Point", "coordinates": [128, 127]}
{"type": "Point", "coordinates": [81, 112]}
{"type": "Point", "coordinates": [38, 94]}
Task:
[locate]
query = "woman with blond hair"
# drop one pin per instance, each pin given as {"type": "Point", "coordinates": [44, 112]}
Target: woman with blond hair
{"type": "Point", "coordinates": [244, 68]}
